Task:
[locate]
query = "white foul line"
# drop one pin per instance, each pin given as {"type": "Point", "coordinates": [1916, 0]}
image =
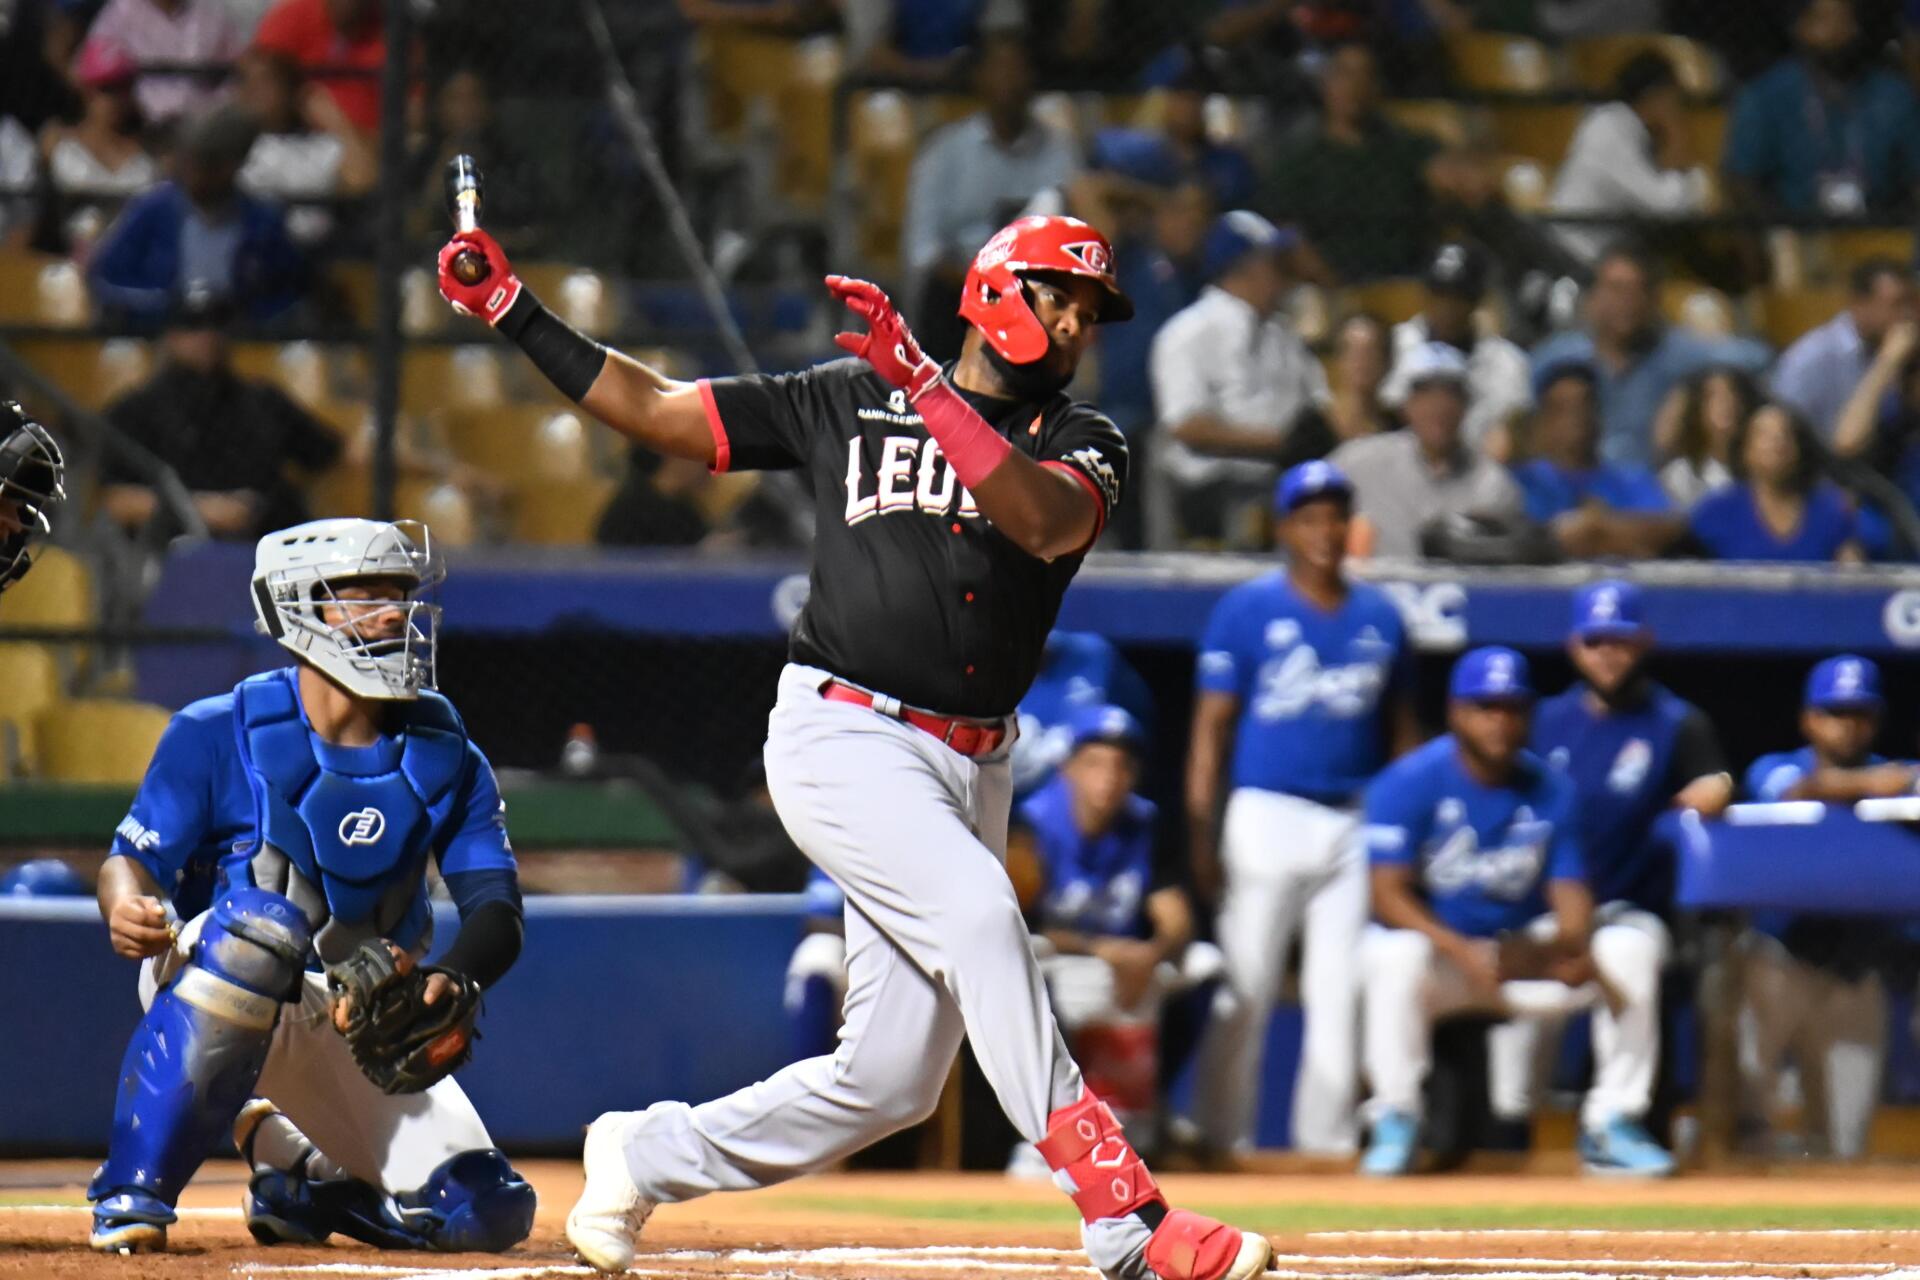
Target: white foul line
{"type": "Point", "coordinates": [1596, 1233]}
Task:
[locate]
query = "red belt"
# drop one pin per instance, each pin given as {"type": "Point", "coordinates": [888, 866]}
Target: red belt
{"type": "Point", "coordinates": [970, 738]}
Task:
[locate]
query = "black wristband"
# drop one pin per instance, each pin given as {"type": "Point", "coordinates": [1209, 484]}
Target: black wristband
{"type": "Point", "coordinates": [488, 943]}
{"type": "Point", "coordinates": [569, 358]}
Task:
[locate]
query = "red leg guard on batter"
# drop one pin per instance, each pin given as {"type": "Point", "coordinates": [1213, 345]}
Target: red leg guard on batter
{"type": "Point", "coordinates": [1086, 1143]}
{"type": "Point", "coordinates": [1187, 1246]}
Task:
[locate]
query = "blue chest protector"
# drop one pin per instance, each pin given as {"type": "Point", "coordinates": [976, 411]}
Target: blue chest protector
{"type": "Point", "coordinates": [345, 839]}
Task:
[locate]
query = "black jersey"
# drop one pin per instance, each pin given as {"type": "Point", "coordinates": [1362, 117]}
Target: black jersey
{"type": "Point", "coordinates": [914, 593]}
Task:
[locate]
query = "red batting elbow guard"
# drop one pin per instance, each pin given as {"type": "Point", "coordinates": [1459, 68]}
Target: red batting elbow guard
{"type": "Point", "coordinates": [1086, 1143]}
{"type": "Point", "coordinates": [972, 446]}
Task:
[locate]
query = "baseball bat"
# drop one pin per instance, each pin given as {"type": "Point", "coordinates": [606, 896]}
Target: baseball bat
{"type": "Point", "coordinates": [464, 188]}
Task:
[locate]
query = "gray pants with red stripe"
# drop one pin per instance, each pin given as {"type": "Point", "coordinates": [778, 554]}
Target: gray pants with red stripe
{"type": "Point", "coordinates": [916, 835]}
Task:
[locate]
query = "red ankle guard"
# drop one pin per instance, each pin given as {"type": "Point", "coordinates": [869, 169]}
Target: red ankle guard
{"type": "Point", "coordinates": [1187, 1246]}
{"type": "Point", "coordinates": [1086, 1143]}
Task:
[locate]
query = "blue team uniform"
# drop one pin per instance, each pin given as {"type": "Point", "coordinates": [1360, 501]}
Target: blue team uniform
{"type": "Point", "coordinates": [296, 850]}
{"type": "Point", "coordinates": [1094, 884]}
{"type": "Point", "coordinates": [1077, 670]}
{"type": "Point", "coordinates": [1482, 856]}
{"type": "Point", "coordinates": [1311, 685]}
{"type": "Point", "coordinates": [1627, 763]}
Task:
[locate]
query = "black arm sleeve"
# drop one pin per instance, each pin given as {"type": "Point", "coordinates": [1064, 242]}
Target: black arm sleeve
{"type": "Point", "coordinates": [1696, 751]}
{"type": "Point", "coordinates": [488, 942]}
{"type": "Point", "coordinates": [570, 359]}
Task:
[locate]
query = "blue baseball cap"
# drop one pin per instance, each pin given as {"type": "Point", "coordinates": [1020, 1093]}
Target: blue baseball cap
{"type": "Point", "coordinates": [1307, 481]}
{"type": "Point", "coordinates": [1844, 683]}
{"type": "Point", "coordinates": [1238, 233]}
{"type": "Point", "coordinates": [1493, 673]}
{"type": "Point", "coordinates": [44, 878]}
{"type": "Point", "coordinates": [1104, 722]}
{"type": "Point", "coordinates": [1608, 610]}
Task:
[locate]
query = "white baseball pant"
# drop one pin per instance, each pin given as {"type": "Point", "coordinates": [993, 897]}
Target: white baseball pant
{"type": "Point", "coordinates": [1290, 864]}
{"type": "Point", "coordinates": [936, 949]}
{"type": "Point", "coordinates": [391, 1140]}
{"type": "Point", "coordinates": [1836, 1031]}
{"type": "Point", "coordinates": [1409, 987]}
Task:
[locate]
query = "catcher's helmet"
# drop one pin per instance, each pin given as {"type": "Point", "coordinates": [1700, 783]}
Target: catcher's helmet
{"type": "Point", "coordinates": [993, 302]}
{"type": "Point", "coordinates": [33, 479]}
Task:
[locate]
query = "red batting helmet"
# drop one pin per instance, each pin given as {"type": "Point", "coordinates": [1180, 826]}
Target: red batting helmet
{"type": "Point", "coordinates": [993, 301]}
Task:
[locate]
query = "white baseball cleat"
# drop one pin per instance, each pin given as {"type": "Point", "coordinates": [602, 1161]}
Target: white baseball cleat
{"type": "Point", "coordinates": [605, 1222]}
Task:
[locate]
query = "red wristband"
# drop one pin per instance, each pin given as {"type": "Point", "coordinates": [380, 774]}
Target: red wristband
{"type": "Point", "coordinates": [972, 446]}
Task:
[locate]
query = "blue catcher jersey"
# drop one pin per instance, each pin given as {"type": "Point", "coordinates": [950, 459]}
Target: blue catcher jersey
{"type": "Point", "coordinates": [196, 815]}
{"type": "Point", "coordinates": [1094, 884]}
{"type": "Point", "coordinates": [1481, 855]}
{"type": "Point", "coordinates": [1311, 685]}
{"type": "Point", "coordinates": [1079, 669]}
{"type": "Point", "coordinates": [1627, 764]}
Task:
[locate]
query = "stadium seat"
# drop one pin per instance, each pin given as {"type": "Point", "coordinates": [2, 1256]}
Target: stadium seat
{"type": "Point", "coordinates": [439, 505]}
{"type": "Point", "coordinates": [297, 368]}
{"type": "Point", "coordinates": [739, 66]}
{"type": "Point", "coordinates": [584, 299]}
{"type": "Point", "coordinates": [1697, 307]}
{"type": "Point", "coordinates": [1392, 300]}
{"type": "Point", "coordinates": [58, 594]}
{"type": "Point", "coordinates": [1595, 61]}
{"type": "Point", "coordinates": [1788, 313]}
{"type": "Point", "coordinates": [29, 685]}
{"type": "Point", "coordinates": [1540, 131]}
{"type": "Point", "coordinates": [92, 372]}
{"type": "Point", "coordinates": [351, 286]}
{"type": "Point", "coordinates": [450, 377]}
{"type": "Point", "coordinates": [1437, 118]}
{"type": "Point", "coordinates": [1837, 253]}
{"type": "Point", "coordinates": [1526, 183]}
{"type": "Point", "coordinates": [1709, 134]}
{"type": "Point", "coordinates": [561, 514]}
{"type": "Point", "coordinates": [41, 289]}
{"type": "Point", "coordinates": [1492, 62]}
{"type": "Point", "coordinates": [880, 156]}
{"type": "Point", "coordinates": [99, 740]}
{"type": "Point", "coordinates": [499, 440]}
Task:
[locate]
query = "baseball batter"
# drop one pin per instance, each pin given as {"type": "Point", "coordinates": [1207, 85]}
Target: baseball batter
{"type": "Point", "coordinates": [953, 506]}
{"type": "Point", "coordinates": [289, 822]}
{"type": "Point", "coordinates": [1304, 693]}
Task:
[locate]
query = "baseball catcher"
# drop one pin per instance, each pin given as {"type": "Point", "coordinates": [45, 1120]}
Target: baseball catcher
{"type": "Point", "coordinates": [32, 487]}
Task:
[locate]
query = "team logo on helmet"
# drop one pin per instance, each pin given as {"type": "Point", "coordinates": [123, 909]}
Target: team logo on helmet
{"type": "Point", "coordinates": [1093, 254]}
{"type": "Point", "coordinates": [997, 250]}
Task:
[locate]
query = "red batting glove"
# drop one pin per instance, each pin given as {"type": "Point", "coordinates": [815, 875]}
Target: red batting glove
{"type": "Point", "coordinates": [491, 297]}
{"type": "Point", "coordinates": [888, 345]}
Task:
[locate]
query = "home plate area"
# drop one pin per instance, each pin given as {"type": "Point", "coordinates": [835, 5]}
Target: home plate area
{"type": "Point", "coordinates": [1325, 1226]}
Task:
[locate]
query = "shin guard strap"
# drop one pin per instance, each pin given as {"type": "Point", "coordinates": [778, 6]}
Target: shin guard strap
{"type": "Point", "coordinates": [1085, 1142]}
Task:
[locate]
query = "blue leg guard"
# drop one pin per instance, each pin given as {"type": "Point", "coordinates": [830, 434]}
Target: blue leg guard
{"type": "Point", "coordinates": [194, 1058]}
{"type": "Point", "coordinates": [474, 1203]}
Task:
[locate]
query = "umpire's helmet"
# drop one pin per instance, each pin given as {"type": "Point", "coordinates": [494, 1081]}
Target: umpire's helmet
{"type": "Point", "coordinates": [32, 483]}
{"type": "Point", "coordinates": [993, 301]}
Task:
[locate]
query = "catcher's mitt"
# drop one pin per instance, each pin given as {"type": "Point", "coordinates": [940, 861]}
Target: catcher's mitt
{"type": "Point", "coordinates": [400, 1042]}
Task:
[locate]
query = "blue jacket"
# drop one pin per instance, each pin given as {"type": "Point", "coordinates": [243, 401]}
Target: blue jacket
{"type": "Point", "coordinates": [135, 268]}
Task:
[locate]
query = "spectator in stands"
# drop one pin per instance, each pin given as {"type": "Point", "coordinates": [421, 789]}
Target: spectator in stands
{"type": "Point", "coordinates": [1695, 430]}
{"type": "Point", "coordinates": [305, 148]}
{"type": "Point", "coordinates": [168, 31]}
{"type": "Point", "coordinates": [1356, 407]}
{"type": "Point", "coordinates": [199, 234]}
{"type": "Point", "coordinates": [1639, 360]}
{"type": "Point", "coordinates": [922, 41]}
{"type": "Point", "coordinates": [1595, 508]}
{"type": "Point", "coordinates": [18, 167]}
{"type": "Point", "coordinates": [1812, 986]}
{"type": "Point", "coordinates": [231, 440]}
{"type": "Point", "coordinates": [1230, 376]}
{"type": "Point", "coordinates": [1631, 158]}
{"type": "Point", "coordinates": [36, 44]}
{"type": "Point", "coordinates": [782, 17]}
{"type": "Point", "coordinates": [1498, 381]}
{"type": "Point", "coordinates": [654, 505]}
{"type": "Point", "coordinates": [1778, 508]}
{"type": "Point", "coordinates": [335, 34]}
{"type": "Point", "coordinates": [1880, 427]}
{"type": "Point", "coordinates": [1825, 131]}
{"type": "Point", "coordinates": [1110, 45]}
{"type": "Point", "coordinates": [1405, 480]}
{"type": "Point", "coordinates": [1354, 183]}
{"type": "Point", "coordinates": [1181, 149]}
{"type": "Point", "coordinates": [462, 122]}
{"type": "Point", "coordinates": [970, 179]}
{"type": "Point", "coordinates": [1818, 373]}
{"type": "Point", "coordinates": [99, 159]}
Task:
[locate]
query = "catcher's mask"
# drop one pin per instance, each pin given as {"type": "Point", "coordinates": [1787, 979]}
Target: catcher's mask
{"type": "Point", "coordinates": [298, 575]}
{"type": "Point", "coordinates": [33, 479]}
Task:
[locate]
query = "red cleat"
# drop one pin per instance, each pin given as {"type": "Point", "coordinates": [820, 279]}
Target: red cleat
{"type": "Point", "coordinates": [1187, 1246]}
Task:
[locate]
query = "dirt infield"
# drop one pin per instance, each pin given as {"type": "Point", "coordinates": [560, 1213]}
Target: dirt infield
{"type": "Point", "coordinates": [1803, 1225]}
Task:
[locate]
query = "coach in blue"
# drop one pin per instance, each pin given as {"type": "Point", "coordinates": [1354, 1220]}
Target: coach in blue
{"type": "Point", "coordinates": [1812, 983]}
{"type": "Point", "coordinates": [288, 822]}
{"type": "Point", "coordinates": [1633, 748]}
{"type": "Point", "coordinates": [1304, 681]}
{"type": "Point", "coordinates": [1481, 903]}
